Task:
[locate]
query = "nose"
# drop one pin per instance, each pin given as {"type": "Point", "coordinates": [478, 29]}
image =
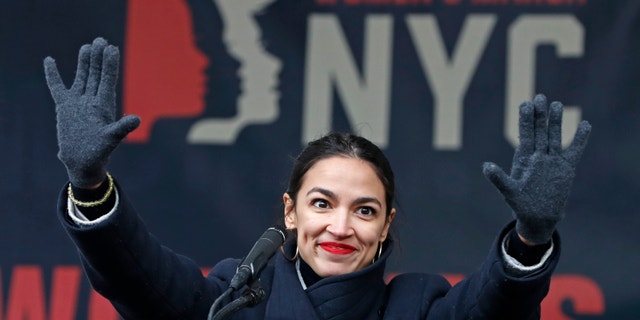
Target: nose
{"type": "Point", "coordinates": [340, 224]}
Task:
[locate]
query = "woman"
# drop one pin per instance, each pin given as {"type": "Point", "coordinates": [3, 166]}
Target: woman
{"type": "Point", "coordinates": [338, 205]}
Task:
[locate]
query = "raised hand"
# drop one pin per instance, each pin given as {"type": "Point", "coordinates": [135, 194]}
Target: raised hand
{"type": "Point", "coordinates": [541, 173]}
{"type": "Point", "coordinates": [86, 113]}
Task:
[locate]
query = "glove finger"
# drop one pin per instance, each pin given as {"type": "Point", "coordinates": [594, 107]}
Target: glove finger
{"type": "Point", "coordinates": [555, 128]}
{"type": "Point", "coordinates": [519, 163]}
{"type": "Point", "coordinates": [54, 81]}
{"type": "Point", "coordinates": [80, 82]}
{"type": "Point", "coordinates": [540, 122]}
{"type": "Point", "coordinates": [526, 129]}
{"type": "Point", "coordinates": [498, 177]}
{"type": "Point", "coordinates": [109, 78]}
{"type": "Point", "coordinates": [574, 152]}
{"type": "Point", "coordinates": [95, 65]}
{"type": "Point", "coordinates": [121, 128]}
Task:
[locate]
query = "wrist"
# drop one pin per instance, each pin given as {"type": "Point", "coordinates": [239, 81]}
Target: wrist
{"type": "Point", "coordinates": [94, 203]}
{"type": "Point", "coordinates": [91, 197]}
{"type": "Point", "coordinates": [526, 253]}
{"type": "Point", "coordinates": [534, 232]}
{"type": "Point", "coordinates": [87, 178]}
{"type": "Point", "coordinates": [524, 240]}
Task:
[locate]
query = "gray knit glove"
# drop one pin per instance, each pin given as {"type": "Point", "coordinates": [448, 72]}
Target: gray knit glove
{"type": "Point", "coordinates": [86, 113]}
{"type": "Point", "coordinates": [541, 172]}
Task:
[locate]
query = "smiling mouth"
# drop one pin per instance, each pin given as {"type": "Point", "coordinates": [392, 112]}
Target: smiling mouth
{"type": "Point", "coordinates": [337, 248]}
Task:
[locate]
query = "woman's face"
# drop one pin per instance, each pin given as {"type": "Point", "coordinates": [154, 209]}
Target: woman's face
{"type": "Point", "coordinates": [339, 215]}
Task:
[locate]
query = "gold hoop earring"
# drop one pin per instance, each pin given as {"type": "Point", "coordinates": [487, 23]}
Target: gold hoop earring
{"type": "Point", "coordinates": [295, 256]}
{"type": "Point", "coordinates": [379, 252]}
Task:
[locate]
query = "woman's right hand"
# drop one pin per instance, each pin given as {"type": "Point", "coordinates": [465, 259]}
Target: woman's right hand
{"type": "Point", "coordinates": [86, 113]}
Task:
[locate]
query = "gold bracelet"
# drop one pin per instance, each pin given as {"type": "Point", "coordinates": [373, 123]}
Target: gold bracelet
{"type": "Point", "coordinates": [92, 203]}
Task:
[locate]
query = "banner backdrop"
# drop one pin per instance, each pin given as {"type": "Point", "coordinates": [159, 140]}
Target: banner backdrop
{"type": "Point", "coordinates": [229, 91]}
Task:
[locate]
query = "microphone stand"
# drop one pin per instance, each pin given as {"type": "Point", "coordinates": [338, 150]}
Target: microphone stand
{"type": "Point", "coordinates": [250, 297]}
{"type": "Point", "coordinates": [248, 272]}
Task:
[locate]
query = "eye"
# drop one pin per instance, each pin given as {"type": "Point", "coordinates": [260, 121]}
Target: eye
{"type": "Point", "coordinates": [366, 211]}
{"type": "Point", "coordinates": [320, 203]}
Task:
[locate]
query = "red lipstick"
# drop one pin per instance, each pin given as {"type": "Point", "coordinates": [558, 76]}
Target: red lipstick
{"type": "Point", "coordinates": [337, 248]}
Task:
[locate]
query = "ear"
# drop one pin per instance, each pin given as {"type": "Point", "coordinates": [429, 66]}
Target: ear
{"type": "Point", "coordinates": [387, 225]}
{"type": "Point", "coordinates": [289, 211]}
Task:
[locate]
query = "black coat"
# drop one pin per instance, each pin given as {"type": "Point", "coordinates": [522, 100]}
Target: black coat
{"type": "Point", "coordinates": [145, 280]}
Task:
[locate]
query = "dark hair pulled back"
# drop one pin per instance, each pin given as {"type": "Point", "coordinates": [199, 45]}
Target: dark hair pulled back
{"type": "Point", "coordinates": [345, 145]}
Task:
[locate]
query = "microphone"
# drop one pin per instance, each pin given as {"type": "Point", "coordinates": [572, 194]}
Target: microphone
{"type": "Point", "coordinates": [252, 264]}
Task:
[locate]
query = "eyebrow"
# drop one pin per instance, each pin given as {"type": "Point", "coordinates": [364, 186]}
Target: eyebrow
{"type": "Point", "coordinates": [332, 195]}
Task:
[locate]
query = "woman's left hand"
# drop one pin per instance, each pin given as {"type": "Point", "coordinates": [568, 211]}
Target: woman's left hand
{"type": "Point", "coordinates": [541, 173]}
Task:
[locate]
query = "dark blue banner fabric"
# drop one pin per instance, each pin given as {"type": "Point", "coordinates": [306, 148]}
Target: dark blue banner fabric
{"type": "Point", "coordinates": [229, 91]}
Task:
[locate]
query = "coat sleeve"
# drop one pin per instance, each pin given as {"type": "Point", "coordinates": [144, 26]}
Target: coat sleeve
{"type": "Point", "coordinates": [128, 265]}
{"type": "Point", "coordinates": [493, 293]}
